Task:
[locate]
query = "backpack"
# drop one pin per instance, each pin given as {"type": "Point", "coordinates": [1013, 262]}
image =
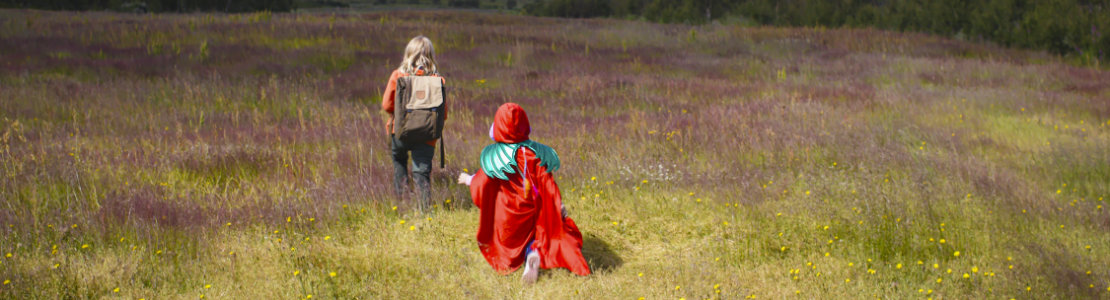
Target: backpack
{"type": "Point", "coordinates": [418, 109]}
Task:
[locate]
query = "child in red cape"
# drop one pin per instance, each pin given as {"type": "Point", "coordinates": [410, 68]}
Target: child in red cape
{"type": "Point", "coordinates": [522, 218]}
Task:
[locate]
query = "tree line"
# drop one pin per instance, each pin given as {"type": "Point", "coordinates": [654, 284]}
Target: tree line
{"type": "Point", "coordinates": [1069, 27]}
{"type": "Point", "coordinates": [155, 5]}
{"type": "Point", "coordinates": [235, 6]}
{"type": "Point", "coordinates": [1075, 27]}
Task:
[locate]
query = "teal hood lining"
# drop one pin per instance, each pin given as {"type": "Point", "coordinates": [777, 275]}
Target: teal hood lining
{"type": "Point", "coordinates": [499, 159]}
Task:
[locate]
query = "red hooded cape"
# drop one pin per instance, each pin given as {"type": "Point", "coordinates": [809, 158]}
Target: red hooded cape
{"type": "Point", "coordinates": [510, 217]}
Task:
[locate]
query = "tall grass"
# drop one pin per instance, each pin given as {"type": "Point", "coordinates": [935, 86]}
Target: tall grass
{"type": "Point", "coordinates": [244, 156]}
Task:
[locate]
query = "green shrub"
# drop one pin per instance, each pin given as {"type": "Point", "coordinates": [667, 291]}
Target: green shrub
{"type": "Point", "coordinates": [1059, 26]}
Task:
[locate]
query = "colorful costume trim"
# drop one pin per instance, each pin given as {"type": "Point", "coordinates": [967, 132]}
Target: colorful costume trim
{"type": "Point", "coordinates": [499, 159]}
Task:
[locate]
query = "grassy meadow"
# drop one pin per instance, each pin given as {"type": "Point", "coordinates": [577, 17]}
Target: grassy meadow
{"type": "Point", "coordinates": [244, 156]}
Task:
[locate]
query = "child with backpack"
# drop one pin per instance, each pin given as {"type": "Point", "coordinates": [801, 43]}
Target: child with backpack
{"type": "Point", "coordinates": [415, 101]}
{"type": "Point", "coordinates": [522, 220]}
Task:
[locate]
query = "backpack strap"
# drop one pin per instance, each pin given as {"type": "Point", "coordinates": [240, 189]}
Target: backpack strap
{"type": "Point", "coordinates": [399, 100]}
{"type": "Point", "coordinates": [442, 138]}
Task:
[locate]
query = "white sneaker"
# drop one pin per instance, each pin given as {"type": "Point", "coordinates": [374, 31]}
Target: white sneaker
{"type": "Point", "coordinates": [531, 268]}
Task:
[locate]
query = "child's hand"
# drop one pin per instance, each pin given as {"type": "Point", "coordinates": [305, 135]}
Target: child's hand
{"type": "Point", "coordinates": [465, 178]}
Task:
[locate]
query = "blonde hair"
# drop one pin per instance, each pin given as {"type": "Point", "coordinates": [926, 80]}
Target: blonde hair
{"type": "Point", "coordinates": [419, 53]}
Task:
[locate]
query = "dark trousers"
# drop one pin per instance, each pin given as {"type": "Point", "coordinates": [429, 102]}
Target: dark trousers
{"type": "Point", "coordinates": [422, 154]}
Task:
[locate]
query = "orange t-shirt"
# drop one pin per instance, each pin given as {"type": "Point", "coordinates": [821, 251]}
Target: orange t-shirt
{"type": "Point", "coordinates": [387, 99]}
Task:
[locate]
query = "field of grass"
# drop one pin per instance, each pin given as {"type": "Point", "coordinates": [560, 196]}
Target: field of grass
{"type": "Point", "coordinates": [244, 156]}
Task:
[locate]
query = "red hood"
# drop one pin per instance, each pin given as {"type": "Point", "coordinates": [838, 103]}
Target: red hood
{"type": "Point", "coordinates": [510, 124]}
